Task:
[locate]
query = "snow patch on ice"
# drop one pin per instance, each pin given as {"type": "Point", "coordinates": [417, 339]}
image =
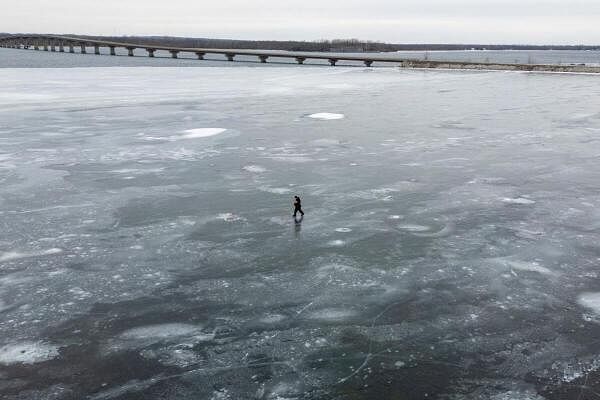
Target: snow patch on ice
{"type": "Point", "coordinates": [336, 243]}
{"type": "Point", "coordinates": [27, 353]}
{"type": "Point", "coordinates": [528, 267]}
{"type": "Point", "coordinates": [291, 159]}
{"type": "Point", "coordinates": [201, 132]}
{"type": "Point", "coordinates": [272, 318]}
{"type": "Point", "coordinates": [414, 228]}
{"type": "Point", "coordinates": [445, 231]}
{"type": "Point", "coordinates": [326, 142]}
{"type": "Point", "coordinates": [230, 217]}
{"type": "Point", "coordinates": [256, 169]}
{"type": "Point", "coordinates": [517, 395]}
{"type": "Point", "coordinates": [333, 269]}
{"type": "Point", "coordinates": [162, 331]}
{"type": "Point", "coordinates": [274, 190]}
{"type": "Point", "coordinates": [197, 133]}
{"type": "Point", "coordinates": [326, 116]}
{"type": "Point", "coordinates": [343, 230]}
{"type": "Point", "coordinates": [518, 200]}
{"type": "Point", "coordinates": [590, 300]}
{"type": "Point", "coordinates": [14, 255]}
{"type": "Point", "coordinates": [332, 314]}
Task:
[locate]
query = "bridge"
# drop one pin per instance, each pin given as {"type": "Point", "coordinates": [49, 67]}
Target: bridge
{"type": "Point", "coordinates": [74, 44]}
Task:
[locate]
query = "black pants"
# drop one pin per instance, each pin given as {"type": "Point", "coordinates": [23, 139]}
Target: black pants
{"type": "Point", "coordinates": [298, 209]}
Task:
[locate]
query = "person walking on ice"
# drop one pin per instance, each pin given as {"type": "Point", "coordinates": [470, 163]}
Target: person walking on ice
{"type": "Point", "coordinates": [298, 206]}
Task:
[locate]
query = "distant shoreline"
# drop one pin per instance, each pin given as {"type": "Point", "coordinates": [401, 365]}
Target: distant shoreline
{"type": "Point", "coordinates": [334, 46]}
{"type": "Point", "coordinates": [64, 44]}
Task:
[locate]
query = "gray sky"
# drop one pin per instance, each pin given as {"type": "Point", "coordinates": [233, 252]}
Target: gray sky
{"type": "Point", "coordinates": [400, 21]}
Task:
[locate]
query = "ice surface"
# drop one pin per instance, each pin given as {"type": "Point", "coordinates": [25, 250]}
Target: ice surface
{"type": "Point", "coordinates": [449, 248]}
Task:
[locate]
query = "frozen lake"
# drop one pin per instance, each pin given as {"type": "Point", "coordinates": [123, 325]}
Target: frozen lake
{"type": "Point", "coordinates": [449, 249]}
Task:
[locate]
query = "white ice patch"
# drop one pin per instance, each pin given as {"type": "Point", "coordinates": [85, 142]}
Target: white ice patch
{"type": "Point", "coordinates": [27, 353]}
{"type": "Point", "coordinates": [332, 314]}
{"type": "Point", "coordinates": [272, 318]}
{"type": "Point", "coordinates": [336, 243]}
{"type": "Point", "coordinates": [188, 134]}
{"type": "Point", "coordinates": [162, 331]}
{"type": "Point", "coordinates": [326, 116]}
{"type": "Point", "coordinates": [230, 217]}
{"type": "Point", "coordinates": [590, 300]}
{"type": "Point", "coordinates": [274, 190]}
{"type": "Point", "coordinates": [255, 169]}
{"type": "Point", "coordinates": [201, 132]}
{"type": "Point", "coordinates": [445, 231]}
{"type": "Point", "coordinates": [291, 159]}
{"type": "Point", "coordinates": [517, 395]}
{"type": "Point", "coordinates": [343, 230]}
{"type": "Point", "coordinates": [414, 228]}
{"type": "Point", "coordinates": [329, 270]}
{"type": "Point", "coordinates": [137, 171]}
{"type": "Point", "coordinates": [13, 255]}
{"type": "Point", "coordinates": [518, 200]}
{"type": "Point", "coordinates": [528, 267]}
{"type": "Point", "coordinates": [326, 142]}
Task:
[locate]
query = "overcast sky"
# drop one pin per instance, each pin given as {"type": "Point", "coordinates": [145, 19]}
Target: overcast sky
{"type": "Point", "coordinates": [399, 21]}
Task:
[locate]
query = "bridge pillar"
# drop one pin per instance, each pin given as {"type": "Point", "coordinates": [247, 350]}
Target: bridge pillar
{"type": "Point", "coordinates": [83, 50]}
{"type": "Point", "coordinates": [53, 46]}
{"type": "Point", "coordinates": [300, 60]}
{"type": "Point", "coordinates": [36, 46]}
{"type": "Point", "coordinates": [130, 51]}
{"type": "Point", "coordinates": [112, 51]}
{"type": "Point", "coordinates": [230, 56]}
{"type": "Point", "coordinates": [71, 49]}
{"type": "Point", "coordinates": [368, 63]}
{"type": "Point", "coordinates": [45, 46]}
{"type": "Point", "coordinates": [263, 59]}
{"type": "Point", "coordinates": [332, 62]}
{"type": "Point", "coordinates": [200, 55]}
{"type": "Point", "coordinates": [61, 47]}
{"type": "Point", "coordinates": [174, 53]}
{"type": "Point", "coordinates": [96, 49]}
